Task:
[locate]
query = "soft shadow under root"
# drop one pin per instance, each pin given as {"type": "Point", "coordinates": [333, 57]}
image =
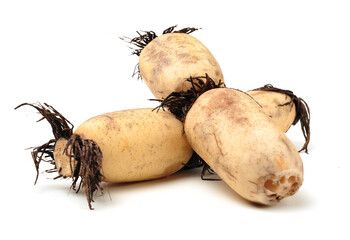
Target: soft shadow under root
{"type": "Point", "coordinates": [84, 154]}
{"type": "Point", "coordinates": [302, 111]}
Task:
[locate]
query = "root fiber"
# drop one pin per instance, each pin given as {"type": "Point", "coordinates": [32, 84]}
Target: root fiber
{"type": "Point", "coordinates": [302, 111]}
{"type": "Point", "coordinates": [87, 174]}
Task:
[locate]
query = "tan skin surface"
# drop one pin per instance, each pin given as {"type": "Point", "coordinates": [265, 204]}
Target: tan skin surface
{"type": "Point", "coordinates": [137, 145]}
{"type": "Point", "coordinates": [228, 129]}
{"type": "Point", "coordinates": [278, 106]}
{"type": "Point", "coordinates": [169, 59]}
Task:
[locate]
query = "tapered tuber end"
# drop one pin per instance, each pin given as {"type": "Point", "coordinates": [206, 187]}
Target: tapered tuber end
{"type": "Point", "coordinates": [142, 40]}
{"type": "Point", "coordinates": [139, 42]}
{"type": "Point", "coordinates": [277, 187]}
{"type": "Point", "coordinates": [73, 157]}
{"type": "Point", "coordinates": [302, 112]}
{"type": "Point", "coordinates": [65, 164]}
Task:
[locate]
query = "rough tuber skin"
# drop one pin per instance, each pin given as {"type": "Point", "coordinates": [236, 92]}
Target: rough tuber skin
{"type": "Point", "coordinates": [231, 133]}
{"type": "Point", "coordinates": [285, 109]}
{"type": "Point", "coordinates": [123, 146]}
{"type": "Point", "coordinates": [278, 106]}
{"type": "Point", "coordinates": [138, 144]}
{"type": "Point", "coordinates": [167, 60]}
{"type": "Point", "coordinates": [65, 165]}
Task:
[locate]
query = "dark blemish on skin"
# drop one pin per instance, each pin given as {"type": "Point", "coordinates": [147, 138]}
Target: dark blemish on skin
{"type": "Point", "coordinates": [158, 56]}
{"type": "Point", "coordinates": [187, 58]}
{"type": "Point", "coordinates": [165, 61]}
{"type": "Point", "coordinates": [236, 113]}
{"type": "Point", "coordinates": [253, 183]}
{"type": "Point", "coordinates": [161, 60]}
{"type": "Point", "coordinates": [217, 143]}
{"type": "Point", "coordinates": [233, 178]}
{"type": "Point", "coordinates": [225, 169]}
{"type": "Point", "coordinates": [110, 123]}
{"type": "Point", "coordinates": [154, 75]}
{"type": "Point", "coordinates": [169, 38]}
{"type": "Point", "coordinates": [290, 104]}
{"type": "Point", "coordinates": [194, 128]}
{"type": "Point", "coordinates": [226, 100]}
{"type": "Point", "coordinates": [107, 116]}
{"type": "Point", "coordinates": [242, 120]}
{"type": "Point", "coordinates": [286, 104]}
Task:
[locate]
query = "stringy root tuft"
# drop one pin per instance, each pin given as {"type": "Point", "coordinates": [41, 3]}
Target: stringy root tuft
{"type": "Point", "coordinates": [179, 103]}
{"type": "Point", "coordinates": [85, 152]}
{"type": "Point", "coordinates": [145, 37]}
{"type": "Point", "coordinates": [302, 112]}
{"type": "Point", "coordinates": [142, 40]}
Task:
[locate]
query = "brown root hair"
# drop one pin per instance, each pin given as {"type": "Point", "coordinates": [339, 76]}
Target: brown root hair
{"type": "Point", "coordinates": [139, 42]}
{"type": "Point", "coordinates": [142, 40]}
{"type": "Point", "coordinates": [85, 152]}
{"type": "Point", "coordinates": [179, 103]}
{"type": "Point", "coordinates": [89, 160]}
{"type": "Point", "coordinates": [302, 111]}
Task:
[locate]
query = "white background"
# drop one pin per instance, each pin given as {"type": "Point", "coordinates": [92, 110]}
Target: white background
{"type": "Point", "coordinates": [68, 54]}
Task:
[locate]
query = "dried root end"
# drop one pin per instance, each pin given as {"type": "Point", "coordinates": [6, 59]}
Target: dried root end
{"type": "Point", "coordinates": [61, 127]}
{"type": "Point", "coordinates": [65, 164]}
{"type": "Point", "coordinates": [43, 153]}
{"type": "Point", "coordinates": [85, 161]}
{"type": "Point", "coordinates": [302, 112]}
{"type": "Point", "coordinates": [72, 156]}
{"type": "Point", "coordinates": [145, 37]}
{"type": "Point", "coordinates": [179, 103]}
{"type": "Point", "coordinates": [142, 40]}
